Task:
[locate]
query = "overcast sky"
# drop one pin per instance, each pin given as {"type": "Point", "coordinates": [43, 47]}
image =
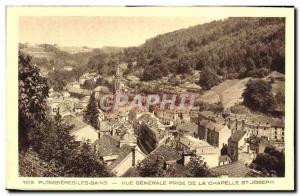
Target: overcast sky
{"type": "Point", "coordinates": [99, 31]}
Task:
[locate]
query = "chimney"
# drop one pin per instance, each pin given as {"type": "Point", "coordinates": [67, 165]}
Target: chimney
{"type": "Point", "coordinates": [99, 135]}
{"type": "Point", "coordinates": [133, 155]}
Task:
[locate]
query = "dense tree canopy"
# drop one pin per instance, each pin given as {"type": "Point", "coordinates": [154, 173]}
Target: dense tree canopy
{"type": "Point", "coordinates": [231, 48]}
{"type": "Point", "coordinates": [55, 145]}
{"type": "Point", "coordinates": [208, 78]}
{"type": "Point", "coordinates": [197, 168]}
{"type": "Point", "coordinates": [258, 96]}
{"type": "Point", "coordinates": [33, 90]}
{"type": "Point", "coordinates": [50, 137]}
{"type": "Point", "coordinates": [270, 161]}
{"type": "Point", "coordinates": [149, 168]}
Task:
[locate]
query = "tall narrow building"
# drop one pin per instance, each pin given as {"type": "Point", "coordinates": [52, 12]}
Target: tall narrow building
{"type": "Point", "coordinates": [117, 81]}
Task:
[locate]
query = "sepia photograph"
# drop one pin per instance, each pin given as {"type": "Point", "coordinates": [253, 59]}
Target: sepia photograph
{"type": "Point", "coordinates": [154, 97]}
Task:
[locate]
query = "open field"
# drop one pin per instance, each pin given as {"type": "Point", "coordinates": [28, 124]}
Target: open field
{"type": "Point", "coordinates": [230, 91]}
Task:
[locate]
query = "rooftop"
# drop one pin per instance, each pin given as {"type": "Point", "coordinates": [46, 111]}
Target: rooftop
{"type": "Point", "coordinates": [188, 127]}
{"type": "Point", "coordinates": [211, 125]}
{"type": "Point", "coordinates": [109, 146]}
{"type": "Point", "coordinates": [77, 124]}
{"type": "Point", "coordinates": [237, 136]}
{"type": "Point", "coordinates": [103, 89]}
{"type": "Point", "coordinates": [235, 169]}
{"type": "Point", "coordinates": [79, 91]}
{"type": "Point", "coordinates": [224, 158]}
{"type": "Point", "coordinates": [163, 151]}
{"type": "Point", "coordinates": [201, 146]}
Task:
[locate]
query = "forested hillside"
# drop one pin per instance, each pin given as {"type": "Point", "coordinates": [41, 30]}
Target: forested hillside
{"type": "Point", "coordinates": [225, 49]}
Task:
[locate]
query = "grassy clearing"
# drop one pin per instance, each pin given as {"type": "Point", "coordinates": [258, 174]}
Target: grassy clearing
{"type": "Point", "coordinates": [230, 91]}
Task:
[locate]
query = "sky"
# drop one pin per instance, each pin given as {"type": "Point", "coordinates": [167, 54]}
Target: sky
{"type": "Point", "coordinates": [99, 31]}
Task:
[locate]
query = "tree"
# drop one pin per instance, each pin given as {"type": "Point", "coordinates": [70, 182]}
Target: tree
{"type": "Point", "coordinates": [151, 73]}
{"type": "Point", "coordinates": [184, 65]}
{"type": "Point", "coordinates": [197, 168]}
{"type": "Point", "coordinates": [57, 80]}
{"type": "Point", "coordinates": [250, 64]}
{"type": "Point", "coordinates": [192, 44]}
{"type": "Point", "coordinates": [216, 107]}
{"type": "Point", "coordinates": [271, 160]}
{"type": "Point", "coordinates": [130, 65]}
{"type": "Point", "coordinates": [280, 98]}
{"type": "Point", "coordinates": [208, 78]}
{"type": "Point", "coordinates": [55, 145]}
{"type": "Point", "coordinates": [52, 141]}
{"type": "Point", "coordinates": [92, 113]}
{"type": "Point", "coordinates": [33, 91]}
{"type": "Point", "coordinates": [258, 96]}
{"type": "Point", "coordinates": [89, 84]}
{"type": "Point", "coordinates": [83, 162]}
{"type": "Point", "coordinates": [148, 168]}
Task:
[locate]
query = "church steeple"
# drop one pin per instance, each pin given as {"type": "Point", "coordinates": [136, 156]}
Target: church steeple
{"type": "Point", "coordinates": [117, 77]}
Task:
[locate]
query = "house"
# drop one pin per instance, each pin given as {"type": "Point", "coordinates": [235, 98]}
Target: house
{"type": "Point", "coordinates": [81, 131]}
{"type": "Point", "coordinates": [165, 155]}
{"type": "Point", "coordinates": [100, 91]}
{"type": "Point", "coordinates": [251, 148]}
{"type": "Point", "coordinates": [234, 169]}
{"type": "Point", "coordinates": [149, 132]}
{"type": "Point", "coordinates": [125, 133]}
{"type": "Point", "coordinates": [209, 153]}
{"type": "Point", "coordinates": [205, 115]}
{"type": "Point", "coordinates": [105, 128]}
{"type": "Point", "coordinates": [236, 142]}
{"type": "Point", "coordinates": [257, 144]}
{"type": "Point", "coordinates": [187, 128]}
{"type": "Point", "coordinates": [258, 125]}
{"type": "Point", "coordinates": [78, 92]}
{"type": "Point", "coordinates": [277, 130]}
{"type": "Point", "coordinates": [224, 160]}
{"type": "Point", "coordinates": [166, 117]}
{"type": "Point", "coordinates": [119, 157]}
{"type": "Point", "coordinates": [214, 133]}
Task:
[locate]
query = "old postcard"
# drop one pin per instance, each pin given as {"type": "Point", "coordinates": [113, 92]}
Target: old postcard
{"type": "Point", "coordinates": [150, 98]}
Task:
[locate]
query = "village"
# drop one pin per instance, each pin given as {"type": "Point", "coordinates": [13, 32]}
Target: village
{"type": "Point", "coordinates": [227, 142]}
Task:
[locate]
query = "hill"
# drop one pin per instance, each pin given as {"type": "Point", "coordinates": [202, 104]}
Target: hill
{"type": "Point", "coordinates": [231, 48]}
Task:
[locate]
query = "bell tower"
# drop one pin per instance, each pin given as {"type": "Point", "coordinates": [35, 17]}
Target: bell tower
{"type": "Point", "coordinates": [117, 82]}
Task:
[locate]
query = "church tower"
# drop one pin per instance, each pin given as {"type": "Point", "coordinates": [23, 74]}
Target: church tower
{"type": "Point", "coordinates": [117, 82]}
